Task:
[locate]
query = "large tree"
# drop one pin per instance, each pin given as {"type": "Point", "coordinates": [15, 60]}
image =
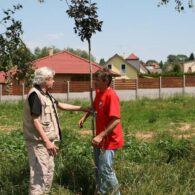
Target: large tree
{"type": "Point", "coordinates": [174, 63]}
{"type": "Point", "coordinates": [191, 57]}
{"type": "Point", "coordinates": [10, 41]}
{"type": "Point", "coordinates": [180, 5]}
{"type": "Point", "coordinates": [102, 61]}
{"type": "Point", "coordinates": [42, 52]}
{"type": "Point", "coordinates": [81, 53]}
{"type": "Point", "coordinates": [22, 58]}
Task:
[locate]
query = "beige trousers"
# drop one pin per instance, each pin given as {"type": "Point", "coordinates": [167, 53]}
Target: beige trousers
{"type": "Point", "coordinates": [41, 169]}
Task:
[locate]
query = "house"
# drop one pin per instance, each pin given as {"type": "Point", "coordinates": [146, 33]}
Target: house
{"type": "Point", "coordinates": [119, 65]}
{"type": "Point", "coordinates": [134, 61]}
{"type": "Point", "coordinates": [2, 77]}
{"type": "Point", "coordinates": [9, 76]}
{"type": "Point", "coordinates": [189, 67]}
{"type": "Point", "coordinates": [154, 68]}
{"type": "Point", "coordinates": [67, 66]}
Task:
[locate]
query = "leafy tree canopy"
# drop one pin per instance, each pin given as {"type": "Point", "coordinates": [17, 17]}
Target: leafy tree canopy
{"type": "Point", "coordinates": [102, 61]}
{"type": "Point", "coordinates": [81, 53]}
{"type": "Point", "coordinates": [191, 57]}
{"type": "Point", "coordinates": [10, 41]}
{"type": "Point", "coordinates": [22, 61]}
{"type": "Point", "coordinates": [85, 16]}
{"type": "Point", "coordinates": [42, 52]}
{"type": "Point", "coordinates": [149, 62]}
{"type": "Point", "coordinates": [176, 58]}
{"type": "Point", "coordinates": [161, 64]}
{"type": "Point", "coordinates": [180, 5]}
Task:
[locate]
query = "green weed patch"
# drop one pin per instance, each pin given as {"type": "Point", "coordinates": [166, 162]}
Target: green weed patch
{"type": "Point", "coordinates": [162, 164]}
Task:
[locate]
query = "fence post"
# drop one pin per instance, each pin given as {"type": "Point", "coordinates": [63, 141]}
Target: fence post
{"type": "Point", "coordinates": [184, 84]}
{"type": "Point", "coordinates": [23, 92]}
{"type": "Point", "coordinates": [136, 90]}
{"type": "Point", "coordinates": [160, 86]}
{"type": "Point", "coordinates": [1, 92]}
{"type": "Point", "coordinates": [68, 90]}
{"type": "Point", "coordinates": [113, 83]}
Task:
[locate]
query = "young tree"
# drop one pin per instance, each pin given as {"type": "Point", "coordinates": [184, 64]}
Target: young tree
{"type": "Point", "coordinates": [177, 67]}
{"type": "Point", "coordinates": [161, 64]}
{"type": "Point", "coordinates": [102, 61]}
{"type": "Point", "coordinates": [191, 58]}
{"type": "Point", "coordinates": [86, 21]}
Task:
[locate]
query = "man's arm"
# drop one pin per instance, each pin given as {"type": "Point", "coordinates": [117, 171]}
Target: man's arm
{"type": "Point", "coordinates": [112, 124]}
{"type": "Point", "coordinates": [51, 147]}
{"type": "Point", "coordinates": [64, 106]}
{"type": "Point", "coordinates": [83, 119]}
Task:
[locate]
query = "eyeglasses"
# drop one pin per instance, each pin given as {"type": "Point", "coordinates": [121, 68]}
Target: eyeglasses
{"type": "Point", "coordinates": [50, 79]}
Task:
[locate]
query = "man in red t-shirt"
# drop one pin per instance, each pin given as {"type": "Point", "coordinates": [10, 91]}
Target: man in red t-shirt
{"type": "Point", "coordinates": [109, 136]}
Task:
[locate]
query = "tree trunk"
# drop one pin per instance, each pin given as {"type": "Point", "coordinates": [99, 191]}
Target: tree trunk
{"type": "Point", "coordinates": [91, 89]}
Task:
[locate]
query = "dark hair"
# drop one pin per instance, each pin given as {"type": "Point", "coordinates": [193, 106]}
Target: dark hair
{"type": "Point", "coordinates": [105, 75]}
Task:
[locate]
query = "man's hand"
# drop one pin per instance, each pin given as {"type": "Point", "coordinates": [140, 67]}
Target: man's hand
{"type": "Point", "coordinates": [97, 140]}
{"type": "Point", "coordinates": [52, 148]}
{"type": "Point", "coordinates": [83, 119]}
{"type": "Point", "coordinates": [85, 109]}
{"type": "Point", "coordinates": [81, 122]}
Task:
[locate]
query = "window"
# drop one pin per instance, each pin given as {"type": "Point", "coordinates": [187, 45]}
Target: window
{"type": "Point", "coordinates": [110, 66]}
{"type": "Point", "coordinates": [190, 69]}
{"type": "Point", "coordinates": [123, 68]}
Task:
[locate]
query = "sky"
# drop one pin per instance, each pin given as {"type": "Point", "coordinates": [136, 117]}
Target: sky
{"type": "Point", "coordinates": [129, 26]}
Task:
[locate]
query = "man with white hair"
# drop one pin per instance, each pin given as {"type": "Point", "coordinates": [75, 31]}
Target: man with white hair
{"type": "Point", "coordinates": [42, 129]}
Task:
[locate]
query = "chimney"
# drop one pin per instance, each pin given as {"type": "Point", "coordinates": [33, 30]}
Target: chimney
{"type": "Point", "coordinates": [50, 51]}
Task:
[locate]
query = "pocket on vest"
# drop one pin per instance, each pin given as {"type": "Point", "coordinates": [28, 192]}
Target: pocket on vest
{"type": "Point", "coordinates": [49, 130]}
{"type": "Point", "coordinates": [47, 126]}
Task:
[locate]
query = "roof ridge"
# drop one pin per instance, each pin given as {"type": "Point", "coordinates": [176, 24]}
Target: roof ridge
{"type": "Point", "coordinates": [94, 63]}
{"type": "Point", "coordinates": [68, 52]}
{"type": "Point", "coordinates": [132, 56]}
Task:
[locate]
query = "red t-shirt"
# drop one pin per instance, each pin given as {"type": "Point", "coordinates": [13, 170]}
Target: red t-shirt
{"type": "Point", "coordinates": [107, 105]}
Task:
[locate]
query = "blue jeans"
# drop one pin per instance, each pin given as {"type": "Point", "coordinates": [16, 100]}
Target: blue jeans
{"type": "Point", "coordinates": [106, 179]}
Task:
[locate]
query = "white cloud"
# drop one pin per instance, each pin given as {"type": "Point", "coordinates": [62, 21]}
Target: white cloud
{"type": "Point", "coordinates": [55, 36]}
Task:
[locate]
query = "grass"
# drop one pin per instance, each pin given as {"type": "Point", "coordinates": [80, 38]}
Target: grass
{"type": "Point", "coordinates": [161, 164]}
{"type": "Point", "coordinates": [157, 115]}
{"type": "Point", "coordinates": [11, 116]}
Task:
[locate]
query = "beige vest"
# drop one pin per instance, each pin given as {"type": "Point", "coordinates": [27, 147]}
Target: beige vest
{"type": "Point", "coordinates": [47, 119]}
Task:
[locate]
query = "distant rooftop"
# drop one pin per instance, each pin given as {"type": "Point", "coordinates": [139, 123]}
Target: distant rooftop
{"type": "Point", "coordinates": [132, 56]}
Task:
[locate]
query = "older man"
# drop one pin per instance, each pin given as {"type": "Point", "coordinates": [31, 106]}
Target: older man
{"type": "Point", "coordinates": [41, 130]}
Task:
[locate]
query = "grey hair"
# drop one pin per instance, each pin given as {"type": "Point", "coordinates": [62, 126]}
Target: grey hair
{"type": "Point", "coordinates": [41, 74]}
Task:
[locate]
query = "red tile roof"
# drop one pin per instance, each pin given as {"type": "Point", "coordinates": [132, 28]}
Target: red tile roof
{"type": "Point", "coordinates": [2, 78]}
{"type": "Point", "coordinates": [132, 57]}
{"type": "Point", "coordinates": [66, 63]}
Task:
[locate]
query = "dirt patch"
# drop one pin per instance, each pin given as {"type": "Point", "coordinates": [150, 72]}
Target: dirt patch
{"type": "Point", "coordinates": [86, 132]}
{"type": "Point", "coordinates": [7, 128]}
{"type": "Point", "coordinates": [144, 135]}
{"type": "Point", "coordinates": [185, 127]}
{"type": "Point", "coordinates": [182, 136]}
{"type": "Point", "coordinates": [184, 131]}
